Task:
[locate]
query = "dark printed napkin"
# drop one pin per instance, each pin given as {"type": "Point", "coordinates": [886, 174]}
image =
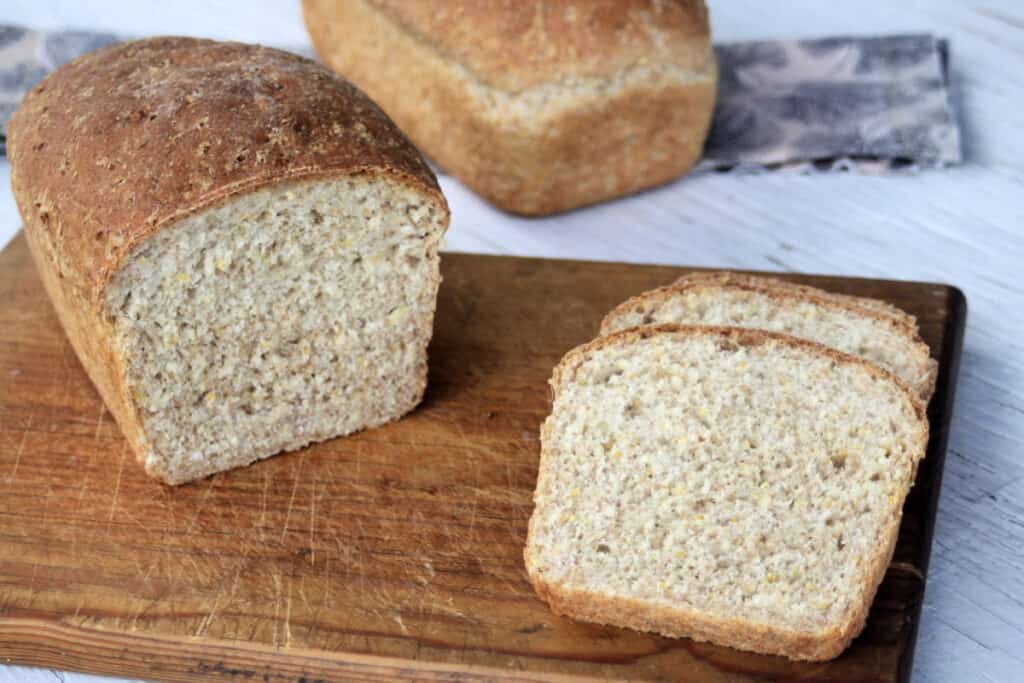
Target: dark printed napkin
{"type": "Point", "coordinates": [871, 104]}
{"type": "Point", "coordinates": [834, 103]}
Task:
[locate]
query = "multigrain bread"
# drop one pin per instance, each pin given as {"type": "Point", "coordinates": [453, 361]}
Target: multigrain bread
{"type": "Point", "coordinates": [242, 247]}
{"type": "Point", "coordinates": [872, 331]}
{"type": "Point", "coordinates": [728, 485]}
{"type": "Point", "coordinates": [538, 107]}
{"type": "Point", "coordinates": [727, 277]}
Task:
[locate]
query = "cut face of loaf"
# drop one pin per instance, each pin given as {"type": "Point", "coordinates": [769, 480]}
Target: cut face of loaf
{"type": "Point", "coordinates": [291, 315]}
{"type": "Point", "coordinates": [799, 311]}
{"type": "Point", "coordinates": [728, 485]}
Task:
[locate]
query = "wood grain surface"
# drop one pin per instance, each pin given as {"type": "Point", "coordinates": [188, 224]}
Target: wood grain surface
{"type": "Point", "coordinates": [392, 554]}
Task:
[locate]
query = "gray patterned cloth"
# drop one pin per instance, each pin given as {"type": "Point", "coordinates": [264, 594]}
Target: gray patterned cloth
{"type": "Point", "coordinates": [870, 104]}
{"type": "Point", "coordinates": [833, 103]}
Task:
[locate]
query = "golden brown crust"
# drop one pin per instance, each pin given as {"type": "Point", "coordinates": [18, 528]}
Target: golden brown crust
{"type": "Point", "coordinates": [602, 123]}
{"type": "Point", "coordinates": [88, 334]}
{"type": "Point", "coordinates": [676, 621]}
{"type": "Point", "coordinates": [513, 45]}
{"type": "Point", "coordinates": [116, 144]}
{"type": "Point", "coordinates": [925, 388]}
{"type": "Point", "coordinates": [125, 141]}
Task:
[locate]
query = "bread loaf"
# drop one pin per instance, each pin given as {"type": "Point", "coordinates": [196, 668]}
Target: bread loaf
{"type": "Point", "coordinates": [736, 486]}
{"type": "Point", "coordinates": [539, 107]}
{"type": "Point", "coordinates": [873, 331]}
{"type": "Point", "coordinates": [242, 247]}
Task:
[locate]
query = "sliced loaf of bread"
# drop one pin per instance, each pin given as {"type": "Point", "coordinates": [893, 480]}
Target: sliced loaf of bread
{"type": "Point", "coordinates": [726, 277]}
{"type": "Point", "coordinates": [804, 312]}
{"type": "Point", "coordinates": [729, 485]}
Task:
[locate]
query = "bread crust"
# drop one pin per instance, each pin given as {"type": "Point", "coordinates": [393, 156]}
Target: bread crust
{"type": "Point", "coordinates": [730, 277]}
{"type": "Point", "coordinates": [122, 143]}
{"type": "Point", "coordinates": [924, 388]}
{"type": "Point", "coordinates": [541, 42]}
{"type": "Point", "coordinates": [535, 113]}
{"type": "Point", "coordinates": [676, 621]}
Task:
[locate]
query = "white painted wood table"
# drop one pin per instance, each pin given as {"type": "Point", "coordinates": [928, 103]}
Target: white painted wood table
{"type": "Point", "coordinates": [963, 226]}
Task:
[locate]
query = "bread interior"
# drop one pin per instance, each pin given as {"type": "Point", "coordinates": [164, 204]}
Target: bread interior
{"type": "Point", "coordinates": [752, 484]}
{"type": "Point", "coordinates": [285, 316]}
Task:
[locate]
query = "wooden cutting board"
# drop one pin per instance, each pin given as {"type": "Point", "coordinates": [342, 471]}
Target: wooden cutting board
{"type": "Point", "coordinates": [392, 554]}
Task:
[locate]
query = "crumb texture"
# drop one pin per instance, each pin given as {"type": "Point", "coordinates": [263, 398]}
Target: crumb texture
{"type": "Point", "coordinates": [874, 337]}
{"type": "Point", "coordinates": [290, 315]}
{"type": "Point", "coordinates": [749, 483]}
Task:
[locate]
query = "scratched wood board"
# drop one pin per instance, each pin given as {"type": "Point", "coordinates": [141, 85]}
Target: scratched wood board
{"type": "Point", "coordinates": [392, 554]}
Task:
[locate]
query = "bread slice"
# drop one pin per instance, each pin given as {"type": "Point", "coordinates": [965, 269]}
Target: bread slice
{"type": "Point", "coordinates": [536, 106]}
{"type": "Point", "coordinates": [803, 312]}
{"type": "Point", "coordinates": [728, 485]}
{"type": "Point", "coordinates": [243, 248]}
{"type": "Point", "coordinates": [726, 277]}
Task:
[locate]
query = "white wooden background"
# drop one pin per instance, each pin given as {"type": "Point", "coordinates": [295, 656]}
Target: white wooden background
{"type": "Point", "coordinates": [963, 226]}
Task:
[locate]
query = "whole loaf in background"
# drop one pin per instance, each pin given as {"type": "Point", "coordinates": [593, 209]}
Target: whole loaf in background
{"type": "Point", "coordinates": [241, 246]}
{"type": "Point", "coordinates": [539, 107]}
